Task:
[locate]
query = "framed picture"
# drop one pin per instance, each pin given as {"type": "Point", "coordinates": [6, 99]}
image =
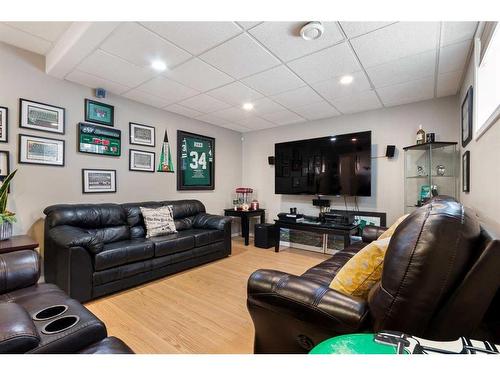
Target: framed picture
{"type": "Point", "coordinates": [195, 161]}
{"type": "Point", "coordinates": [140, 134]}
{"type": "Point", "coordinates": [40, 116]}
{"type": "Point", "coordinates": [99, 113]}
{"type": "Point", "coordinates": [466, 172]}
{"type": "Point", "coordinates": [143, 161]}
{"type": "Point", "coordinates": [98, 181]}
{"type": "Point", "coordinates": [42, 151]}
{"type": "Point", "coordinates": [4, 165]}
{"type": "Point", "coordinates": [4, 124]}
{"type": "Point", "coordinates": [94, 139]}
{"type": "Point", "coordinates": [467, 108]}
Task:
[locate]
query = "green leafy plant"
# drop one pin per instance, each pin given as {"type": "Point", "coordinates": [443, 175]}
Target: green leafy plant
{"type": "Point", "coordinates": [6, 216]}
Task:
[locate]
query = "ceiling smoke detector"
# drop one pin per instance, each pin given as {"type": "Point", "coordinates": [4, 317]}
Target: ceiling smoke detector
{"type": "Point", "coordinates": [312, 30]}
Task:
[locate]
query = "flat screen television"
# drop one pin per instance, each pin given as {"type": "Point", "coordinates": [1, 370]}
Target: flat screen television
{"type": "Point", "coordinates": [333, 165]}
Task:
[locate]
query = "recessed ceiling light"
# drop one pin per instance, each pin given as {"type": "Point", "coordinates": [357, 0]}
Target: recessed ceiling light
{"type": "Point", "coordinates": [247, 106]}
{"type": "Point", "coordinates": [312, 30]}
{"type": "Point", "coordinates": [346, 80]}
{"type": "Point", "coordinates": [158, 65]}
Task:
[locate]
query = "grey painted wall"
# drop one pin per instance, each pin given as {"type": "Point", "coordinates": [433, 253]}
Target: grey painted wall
{"type": "Point", "coordinates": [484, 165]}
{"type": "Point", "coordinates": [35, 187]}
{"type": "Point", "coordinates": [396, 125]}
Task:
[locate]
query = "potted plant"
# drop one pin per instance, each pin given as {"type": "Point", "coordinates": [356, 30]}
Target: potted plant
{"type": "Point", "coordinates": [6, 217]}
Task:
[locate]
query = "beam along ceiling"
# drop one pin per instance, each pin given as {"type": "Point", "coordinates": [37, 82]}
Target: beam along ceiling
{"type": "Point", "coordinates": [214, 68]}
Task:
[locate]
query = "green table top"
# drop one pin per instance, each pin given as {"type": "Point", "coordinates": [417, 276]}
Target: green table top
{"type": "Point", "coordinates": [359, 343]}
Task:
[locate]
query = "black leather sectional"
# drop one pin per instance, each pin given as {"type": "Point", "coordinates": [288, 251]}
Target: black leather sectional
{"type": "Point", "coordinates": [41, 318]}
{"type": "Point", "coordinates": [96, 249]}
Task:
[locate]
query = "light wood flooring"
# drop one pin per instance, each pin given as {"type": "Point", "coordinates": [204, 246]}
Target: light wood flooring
{"type": "Point", "coordinates": [201, 310]}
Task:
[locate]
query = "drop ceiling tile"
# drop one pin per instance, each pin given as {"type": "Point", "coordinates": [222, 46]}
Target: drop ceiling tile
{"type": "Point", "coordinates": [454, 32]}
{"type": "Point", "coordinates": [167, 89]}
{"type": "Point", "coordinates": [50, 31]}
{"type": "Point", "coordinates": [212, 119]}
{"type": "Point", "coordinates": [204, 103]}
{"type": "Point", "coordinates": [146, 98]}
{"type": "Point", "coordinates": [235, 93]}
{"type": "Point", "coordinates": [448, 83]}
{"type": "Point", "coordinates": [181, 110]}
{"type": "Point", "coordinates": [256, 123]}
{"type": "Point", "coordinates": [92, 81]}
{"type": "Point", "coordinates": [316, 111]}
{"type": "Point", "coordinates": [363, 101]}
{"type": "Point", "coordinates": [140, 46]}
{"type": "Point", "coordinates": [284, 40]}
{"type": "Point", "coordinates": [407, 92]}
{"type": "Point", "coordinates": [402, 70]}
{"type": "Point", "coordinates": [248, 24]}
{"type": "Point", "coordinates": [235, 127]}
{"type": "Point", "coordinates": [332, 88]}
{"type": "Point", "coordinates": [326, 64]}
{"type": "Point", "coordinates": [23, 40]}
{"type": "Point", "coordinates": [233, 114]}
{"type": "Point", "coordinates": [198, 75]}
{"type": "Point", "coordinates": [298, 97]}
{"type": "Point", "coordinates": [195, 37]}
{"type": "Point", "coordinates": [107, 66]}
{"type": "Point", "coordinates": [396, 41]}
{"type": "Point", "coordinates": [454, 56]}
{"type": "Point", "coordinates": [274, 81]}
{"type": "Point", "coordinates": [354, 29]}
{"type": "Point", "coordinates": [283, 117]}
{"type": "Point", "coordinates": [240, 57]}
{"type": "Point", "coordinates": [266, 105]}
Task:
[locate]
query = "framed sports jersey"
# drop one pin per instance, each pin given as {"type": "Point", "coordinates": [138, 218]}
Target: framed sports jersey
{"type": "Point", "coordinates": [195, 161]}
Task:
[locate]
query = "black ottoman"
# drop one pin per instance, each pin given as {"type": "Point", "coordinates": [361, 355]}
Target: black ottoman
{"type": "Point", "coordinates": [264, 236]}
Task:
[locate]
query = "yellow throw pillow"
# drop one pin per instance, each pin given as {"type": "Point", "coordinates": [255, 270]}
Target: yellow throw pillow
{"type": "Point", "coordinates": [389, 232]}
{"type": "Point", "coordinates": [362, 271]}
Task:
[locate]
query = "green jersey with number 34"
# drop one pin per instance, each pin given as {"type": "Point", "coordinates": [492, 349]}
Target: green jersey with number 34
{"type": "Point", "coordinates": [196, 157]}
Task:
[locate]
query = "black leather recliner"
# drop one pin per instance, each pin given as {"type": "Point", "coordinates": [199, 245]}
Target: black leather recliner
{"type": "Point", "coordinates": [40, 318]}
{"type": "Point", "coordinates": [440, 281]}
{"type": "Point", "coordinates": [95, 249]}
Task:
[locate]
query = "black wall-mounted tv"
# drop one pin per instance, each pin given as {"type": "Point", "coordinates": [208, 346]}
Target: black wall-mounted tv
{"type": "Point", "coordinates": [333, 165]}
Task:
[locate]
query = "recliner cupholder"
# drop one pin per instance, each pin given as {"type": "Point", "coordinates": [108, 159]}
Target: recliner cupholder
{"type": "Point", "coordinates": [60, 324]}
{"type": "Point", "coordinates": [50, 312]}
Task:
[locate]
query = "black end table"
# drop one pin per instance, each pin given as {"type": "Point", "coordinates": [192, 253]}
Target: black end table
{"type": "Point", "coordinates": [245, 219]}
{"type": "Point", "coordinates": [16, 243]}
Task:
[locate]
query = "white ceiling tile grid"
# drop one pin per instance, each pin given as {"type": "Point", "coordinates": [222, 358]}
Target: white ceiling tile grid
{"type": "Point", "coordinates": [216, 67]}
{"type": "Point", "coordinates": [283, 38]}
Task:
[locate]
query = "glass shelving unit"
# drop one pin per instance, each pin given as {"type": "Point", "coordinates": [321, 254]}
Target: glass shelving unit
{"type": "Point", "coordinates": [430, 168]}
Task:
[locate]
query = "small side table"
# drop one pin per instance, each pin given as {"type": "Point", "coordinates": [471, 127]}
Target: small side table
{"type": "Point", "coordinates": [245, 219]}
{"type": "Point", "coordinates": [15, 243]}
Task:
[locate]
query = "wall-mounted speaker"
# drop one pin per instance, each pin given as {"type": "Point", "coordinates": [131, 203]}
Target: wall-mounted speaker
{"type": "Point", "coordinates": [390, 150]}
{"type": "Point", "coordinates": [270, 159]}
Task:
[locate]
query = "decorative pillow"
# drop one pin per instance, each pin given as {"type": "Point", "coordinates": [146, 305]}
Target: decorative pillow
{"type": "Point", "coordinates": [389, 232]}
{"type": "Point", "coordinates": [159, 221]}
{"type": "Point", "coordinates": [362, 271]}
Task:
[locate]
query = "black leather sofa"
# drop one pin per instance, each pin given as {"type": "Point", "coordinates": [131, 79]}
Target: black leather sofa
{"type": "Point", "coordinates": [95, 249]}
{"type": "Point", "coordinates": [41, 318]}
{"type": "Point", "coordinates": [440, 281]}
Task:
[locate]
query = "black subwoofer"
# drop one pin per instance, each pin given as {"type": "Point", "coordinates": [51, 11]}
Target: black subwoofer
{"type": "Point", "coordinates": [264, 236]}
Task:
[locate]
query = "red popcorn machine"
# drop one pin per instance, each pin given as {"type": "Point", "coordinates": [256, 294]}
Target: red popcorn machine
{"type": "Point", "coordinates": [243, 201]}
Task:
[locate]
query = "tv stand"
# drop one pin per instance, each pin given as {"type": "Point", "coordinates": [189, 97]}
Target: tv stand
{"type": "Point", "coordinates": [325, 229]}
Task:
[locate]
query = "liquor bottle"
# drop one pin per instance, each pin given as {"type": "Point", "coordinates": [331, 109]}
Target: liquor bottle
{"type": "Point", "coordinates": [420, 135]}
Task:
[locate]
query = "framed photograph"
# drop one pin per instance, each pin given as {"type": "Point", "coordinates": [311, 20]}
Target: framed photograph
{"type": "Point", "coordinates": [95, 139]}
{"type": "Point", "coordinates": [143, 161]}
{"type": "Point", "coordinates": [140, 134]}
{"type": "Point", "coordinates": [98, 181]}
{"type": "Point", "coordinates": [42, 151]}
{"type": "Point", "coordinates": [466, 172]}
{"type": "Point", "coordinates": [4, 166]}
{"type": "Point", "coordinates": [195, 161]}
{"type": "Point", "coordinates": [99, 113]}
{"type": "Point", "coordinates": [40, 116]}
{"type": "Point", "coordinates": [467, 108]}
{"type": "Point", "coordinates": [4, 124]}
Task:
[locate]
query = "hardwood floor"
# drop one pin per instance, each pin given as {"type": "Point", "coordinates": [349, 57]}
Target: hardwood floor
{"type": "Point", "coordinates": [201, 310]}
